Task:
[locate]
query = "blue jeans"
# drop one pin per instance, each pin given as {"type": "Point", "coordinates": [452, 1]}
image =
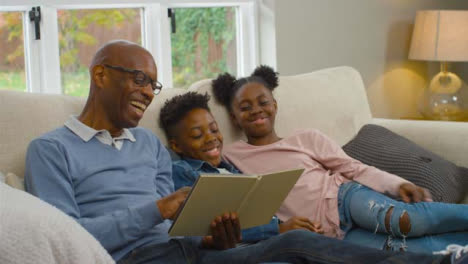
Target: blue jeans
{"type": "Point", "coordinates": [433, 225]}
{"type": "Point", "coordinates": [296, 246]}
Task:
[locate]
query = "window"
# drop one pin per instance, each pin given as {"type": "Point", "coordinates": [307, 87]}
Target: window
{"type": "Point", "coordinates": [82, 32]}
{"type": "Point", "coordinates": [203, 44]}
{"type": "Point", "coordinates": [51, 53]}
{"type": "Point", "coordinates": [12, 70]}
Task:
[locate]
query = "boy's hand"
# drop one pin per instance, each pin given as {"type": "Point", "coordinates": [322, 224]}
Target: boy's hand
{"type": "Point", "coordinates": [169, 205]}
{"type": "Point", "coordinates": [297, 222]}
{"type": "Point", "coordinates": [226, 232]}
{"type": "Point", "coordinates": [413, 193]}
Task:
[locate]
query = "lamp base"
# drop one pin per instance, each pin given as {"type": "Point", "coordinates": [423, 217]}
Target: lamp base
{"type": "Point", "coordinates": [445, 98]}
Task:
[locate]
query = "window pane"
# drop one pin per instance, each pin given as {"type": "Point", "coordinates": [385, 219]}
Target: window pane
{"type": "Point", "coordinates": [12, 76]}
{"type": "Point", "coordinates": [82, 32]}
{"type": "Point", "coordinates": [204, 44]}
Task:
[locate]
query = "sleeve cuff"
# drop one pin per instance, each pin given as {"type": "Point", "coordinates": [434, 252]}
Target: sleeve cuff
{"type": "Point", "coordinates": [150, 215]}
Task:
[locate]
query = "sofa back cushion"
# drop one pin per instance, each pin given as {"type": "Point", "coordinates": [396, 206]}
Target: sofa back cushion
{"type": "Point", "coordinates": [25, 116]}
{"type": "Point", "coordinates": [332, 100]}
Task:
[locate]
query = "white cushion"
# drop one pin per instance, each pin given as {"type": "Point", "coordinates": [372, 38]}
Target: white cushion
{"type": "Point", "coordinates": [34, 232]}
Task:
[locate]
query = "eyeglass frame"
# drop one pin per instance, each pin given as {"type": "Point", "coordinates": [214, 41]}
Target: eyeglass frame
{"type": "Point", "coordinates": [156, 86]}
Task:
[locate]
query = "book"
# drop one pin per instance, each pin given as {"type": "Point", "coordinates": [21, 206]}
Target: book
{"type": "Point", "coordinates": [255, 198]}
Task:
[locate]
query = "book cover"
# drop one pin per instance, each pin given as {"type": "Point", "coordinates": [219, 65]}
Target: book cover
{"type": "Point", "coordinates": [255, 198]}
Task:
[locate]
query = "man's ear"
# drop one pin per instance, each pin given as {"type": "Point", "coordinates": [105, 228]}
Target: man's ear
{"type": "Point", "coordinates": [174, 146]}
{"type": "Point", "coordinates": [97, 74]}
{"type": "Point", "coordinates": [275, 104]}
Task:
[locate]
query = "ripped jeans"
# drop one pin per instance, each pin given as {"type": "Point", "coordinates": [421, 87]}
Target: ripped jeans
{"type": "Point", "coordinates": [432, 226]}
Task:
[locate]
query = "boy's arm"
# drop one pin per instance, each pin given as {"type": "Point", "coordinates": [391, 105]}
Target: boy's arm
{"type": "Point", "coordinates": [183, 175]}
{"type": "Point", "coordinates": [262, 232]}
{"type": "Point", "coordinates": [47, 176]}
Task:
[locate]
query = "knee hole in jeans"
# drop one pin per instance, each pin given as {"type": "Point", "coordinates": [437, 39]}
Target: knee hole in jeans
{"type": "Point", "coordinates": [404, 223]}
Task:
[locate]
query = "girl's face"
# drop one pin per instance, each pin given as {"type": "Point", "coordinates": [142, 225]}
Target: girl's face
{"type": "Point", "coordinates": [254, 110]}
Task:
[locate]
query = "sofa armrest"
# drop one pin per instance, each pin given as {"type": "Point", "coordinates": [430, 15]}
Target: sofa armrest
{"type": "Point", "coordinates": [447, 139]}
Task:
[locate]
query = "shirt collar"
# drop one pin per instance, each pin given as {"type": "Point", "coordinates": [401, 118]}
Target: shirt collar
{"type": "Point", "coordinates": [87, 133]}
{"type": "Point", "coordinates": [197, 165]}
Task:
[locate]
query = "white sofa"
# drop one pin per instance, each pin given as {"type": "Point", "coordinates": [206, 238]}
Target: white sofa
{"type": "Point", "coordinates": [333, 100]}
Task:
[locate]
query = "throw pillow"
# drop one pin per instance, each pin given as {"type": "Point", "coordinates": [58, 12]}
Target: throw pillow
{"type": "Point", "coordinates": [379, 147]}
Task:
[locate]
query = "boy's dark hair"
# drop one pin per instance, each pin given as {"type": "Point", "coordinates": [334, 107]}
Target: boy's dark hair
{"type": "Point", "coordinates": [176, 108]}
{"type": "Point", "coordinates": [226, 85]}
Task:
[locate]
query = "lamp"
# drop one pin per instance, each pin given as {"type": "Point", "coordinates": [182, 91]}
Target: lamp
{"type": "Point", "coordinates": [442, 35]}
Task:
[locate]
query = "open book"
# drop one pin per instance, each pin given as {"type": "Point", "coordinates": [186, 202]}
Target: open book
{"type": "Point", "coordinates": [255, 199]}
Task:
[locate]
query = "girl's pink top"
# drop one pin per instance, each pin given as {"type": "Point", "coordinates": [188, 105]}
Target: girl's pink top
{"type": "Point", "coordinates": [326, 165]}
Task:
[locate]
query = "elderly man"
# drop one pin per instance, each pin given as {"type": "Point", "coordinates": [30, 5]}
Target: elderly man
{"type": "Point", "coordinates": [115, 180]}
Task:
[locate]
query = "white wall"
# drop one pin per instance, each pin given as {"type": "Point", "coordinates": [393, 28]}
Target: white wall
{"type": "Point", "coordinates": [371, 35]}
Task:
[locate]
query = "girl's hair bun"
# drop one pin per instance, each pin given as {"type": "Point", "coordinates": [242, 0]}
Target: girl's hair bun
{"type": "Point", "coordinates": [267, 74]}
{"type": "Point", "coordinates": [222, 88]}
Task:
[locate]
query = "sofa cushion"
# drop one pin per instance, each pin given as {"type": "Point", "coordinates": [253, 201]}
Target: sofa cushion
{"type": "Point", "coordinates": [379, 147]}
{"type": "Point", "coordinates": [14, 181]}
{"type": "Point", "coordinates": [33, 231]}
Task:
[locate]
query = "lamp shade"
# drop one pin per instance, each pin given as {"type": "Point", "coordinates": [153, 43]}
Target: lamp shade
{"type": "Point", "coordinates": [440, 35]}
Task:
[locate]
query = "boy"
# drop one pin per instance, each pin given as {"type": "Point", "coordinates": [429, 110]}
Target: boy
{"type": "Point", "coordinates": [194, 135]}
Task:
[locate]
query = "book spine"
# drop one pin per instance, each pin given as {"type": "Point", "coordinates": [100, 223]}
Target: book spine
{"type": "Point", "coordinates": [247, 196]}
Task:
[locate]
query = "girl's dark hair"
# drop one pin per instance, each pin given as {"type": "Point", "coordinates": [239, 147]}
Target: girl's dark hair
{"type": "Point", "coordinates": [176, 108]}
{"type": "Point", "coordinates": [226, 85]}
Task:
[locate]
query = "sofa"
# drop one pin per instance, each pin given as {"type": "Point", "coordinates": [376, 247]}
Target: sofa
{"type": "Point", "coordinates": [332, 100]}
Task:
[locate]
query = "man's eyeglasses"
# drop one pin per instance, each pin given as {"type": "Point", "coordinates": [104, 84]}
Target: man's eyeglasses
{"type": "Point", "coordinates": [139, 78]}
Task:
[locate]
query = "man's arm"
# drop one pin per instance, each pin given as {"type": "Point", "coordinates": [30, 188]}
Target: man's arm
{"type": "Point", "coordinates": [164, 182]}
{"type": "Point", "coordinates": [47, 176]}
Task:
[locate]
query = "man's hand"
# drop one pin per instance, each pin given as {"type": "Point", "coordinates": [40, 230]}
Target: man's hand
{"type": "Point", "coordinates": [169, 205]}
{"type": "Point", "coordinates": [413, 193]}
{"type": "Point", "coordinates": [297, 222]}
{"type": "Point", "coordinates": [226, 232]}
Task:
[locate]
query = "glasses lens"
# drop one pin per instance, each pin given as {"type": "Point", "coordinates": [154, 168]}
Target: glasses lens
{"type": "Point", "coordinates": [156, 88]}
{"type": "Point", "coordinates": [141, 78]}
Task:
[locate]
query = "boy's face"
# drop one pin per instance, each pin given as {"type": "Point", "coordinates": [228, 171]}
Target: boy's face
{"type": "Point", "coordinates": [198, 137]}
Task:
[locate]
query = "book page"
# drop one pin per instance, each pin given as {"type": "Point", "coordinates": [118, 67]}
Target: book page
{"type": "Point", "coordinates": [270, 192]}
{"type": "Point", "coordinates": [212, 196]}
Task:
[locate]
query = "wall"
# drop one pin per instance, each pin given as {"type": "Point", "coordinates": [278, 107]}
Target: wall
{"type": "Point", "coordinates": [372, 36]}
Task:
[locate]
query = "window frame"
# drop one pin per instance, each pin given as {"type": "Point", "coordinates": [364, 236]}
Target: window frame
{"type": "Point", "coordinates": [42, 61]}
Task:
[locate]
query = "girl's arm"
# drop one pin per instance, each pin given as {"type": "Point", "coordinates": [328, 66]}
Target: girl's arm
{"type": "Point", "coordinates": [332, 157]}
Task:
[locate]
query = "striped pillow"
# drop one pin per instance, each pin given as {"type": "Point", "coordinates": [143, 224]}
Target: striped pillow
{"type": "Point", "coordinates": [379, 147]}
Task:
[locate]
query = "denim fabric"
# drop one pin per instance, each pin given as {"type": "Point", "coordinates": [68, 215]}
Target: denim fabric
{"type": "Point", "coordinates": [363, 208]}
{"type": "Point", "coordinates": [186, 171]}
{"type": "Point", "coordinates": [423, 244]}
{"type": "Point", "coordinates": [296, 246]}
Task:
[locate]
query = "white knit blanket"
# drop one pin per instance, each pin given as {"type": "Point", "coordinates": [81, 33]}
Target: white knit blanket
{"type": "Point", "coordinates": [32, 231]}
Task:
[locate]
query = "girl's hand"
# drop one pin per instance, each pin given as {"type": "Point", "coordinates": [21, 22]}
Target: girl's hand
{"type": "Point", "coordinates": [297, 222]}
{"type": "Point", "coordinates": [413, 193]}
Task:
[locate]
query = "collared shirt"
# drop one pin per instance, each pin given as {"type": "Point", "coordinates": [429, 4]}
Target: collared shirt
{"type": "Point", "coordinates": [110, 192]}
{"type": "Point", "coordinates": [86, 133]}
{"type": "Point", "coordinates": [186, 171]}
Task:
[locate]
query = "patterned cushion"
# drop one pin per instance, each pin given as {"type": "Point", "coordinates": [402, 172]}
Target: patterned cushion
{"type": "Point", "coordinates": [379, 147]}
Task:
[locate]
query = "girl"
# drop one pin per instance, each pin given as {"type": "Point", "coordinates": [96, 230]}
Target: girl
{"type": "Point", "coordinates": [344, 195]}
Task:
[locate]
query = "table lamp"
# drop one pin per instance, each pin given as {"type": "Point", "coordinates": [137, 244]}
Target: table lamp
{"type": "Point", "coordinates": [442, 35]}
